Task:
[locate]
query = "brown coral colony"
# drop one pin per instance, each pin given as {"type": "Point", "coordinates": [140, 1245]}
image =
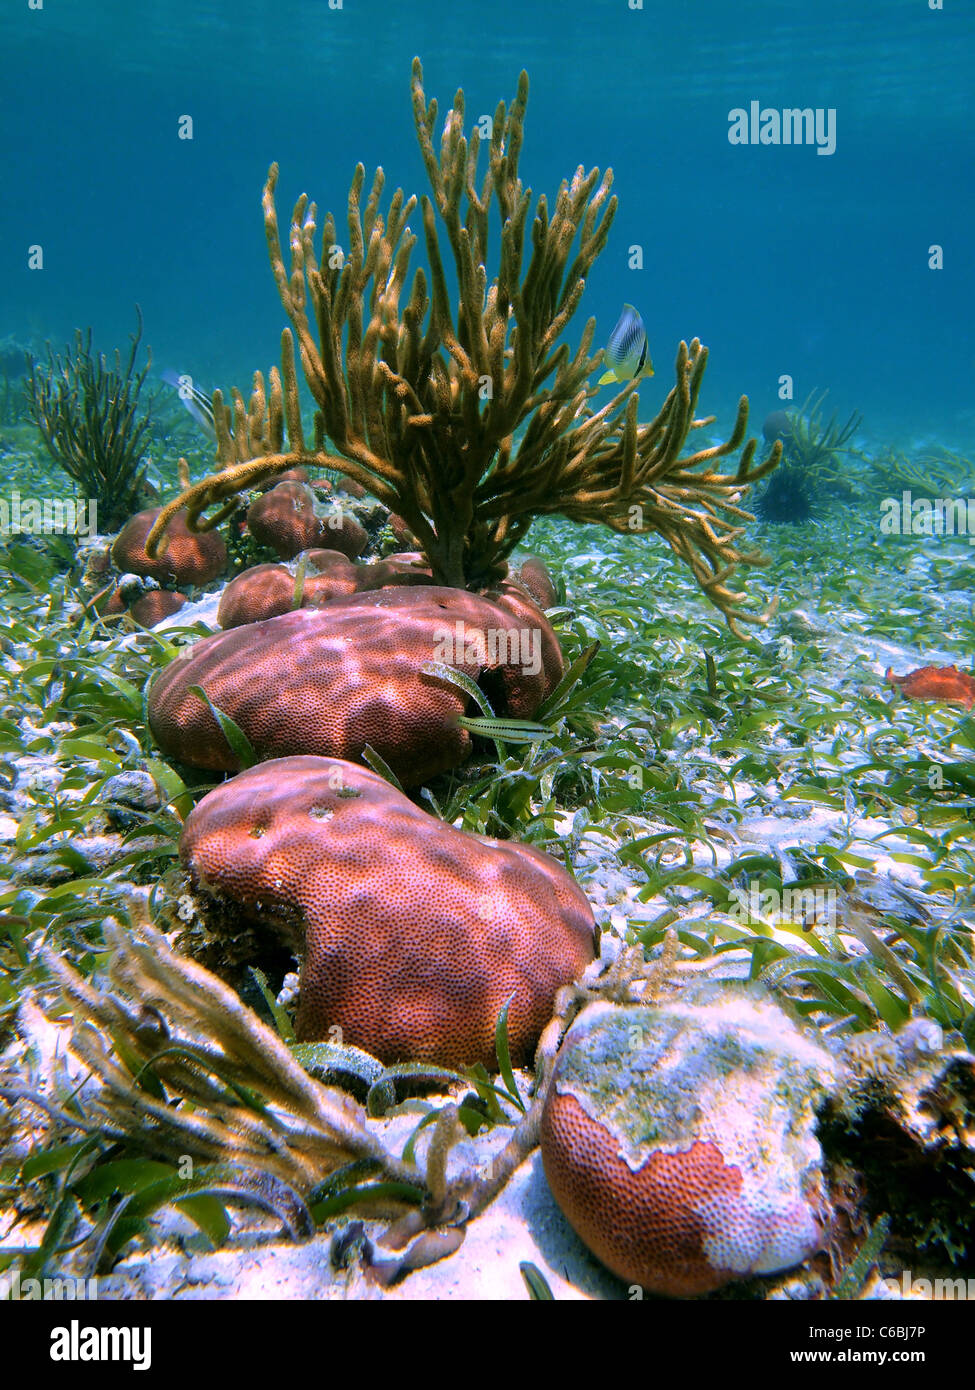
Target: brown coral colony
{"type": "Point", "coordinates": [266, 591]}
{"type": "Point", "coordinates": [412, 934]}
{"type": "Point", "coordinates": [285, 519]}
{"type": "Point", "coordinates": [185, 557]}
{"type": "Point", "coordinates": [335, 680]}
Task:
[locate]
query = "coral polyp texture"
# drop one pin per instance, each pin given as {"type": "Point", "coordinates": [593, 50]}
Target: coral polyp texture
{"type": "Point", "coordinates": [267, 591]}
{"type": "Point", "coordinates": [185, 556]}
{"type": "Point", "coordinates": [680, 1139]}
{"type": "Point", "coordinates": [412, 934]}
{"type": "Point", "coordinates": [936, 683]}
{"type": "Point", "coordinates": [400, 390]}
{"type": "Point", "coordinates": [333, 680]}
{"type": "Point", "coordinates": [259, 593]}
{"type": "Point", "coordinates": [340, 531]}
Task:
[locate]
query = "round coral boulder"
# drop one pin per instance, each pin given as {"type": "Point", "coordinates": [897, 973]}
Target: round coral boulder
{"type": "Point", "coordinates": [109, 603]}
{"type": "Point", "coordinates": [331, 680]}
{"type": "Point", "coordinates": [340, 531]}
{"type": "Point", "coordinates": [263, 591]}
{"type": "Point", "coordinates": [412, 934]}
{"type": "Point", "coordinates": [186, 557]}
{"type": "Point", "coordinates": [680, 1139]}
{"type": "Point", "coordinates": [266, 591]}
{"type": "Point", "coordinates": [155, 604]}
{"type": "Point", "coordinates": [285, 519]}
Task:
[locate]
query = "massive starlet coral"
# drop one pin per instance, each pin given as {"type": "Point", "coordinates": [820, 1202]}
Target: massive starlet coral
{"type": "Point", "coordinates": [469, 422]}
{"type": "Point", "coordinates": [680, 1139]}
{"type": "Point", "coordinates": [412, 933]}
{"type": "Point", "coordinates": [352, 674]}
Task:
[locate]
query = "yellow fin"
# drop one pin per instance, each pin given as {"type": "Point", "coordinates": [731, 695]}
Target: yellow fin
{"type": "Point", "coordinates": [606, 378]}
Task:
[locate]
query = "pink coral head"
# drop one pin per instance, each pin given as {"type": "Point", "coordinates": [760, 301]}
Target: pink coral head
{"type": "Point", "coordinates": [413, 934]}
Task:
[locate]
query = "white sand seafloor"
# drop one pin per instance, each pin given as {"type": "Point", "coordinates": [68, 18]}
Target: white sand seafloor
{"type": "Point", "coordinates": [523, 1224]}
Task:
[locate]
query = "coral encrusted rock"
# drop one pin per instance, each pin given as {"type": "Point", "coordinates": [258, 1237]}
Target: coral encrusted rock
{"type": "Point", "coordinates": [331, 680]}
{"type": "Point", "coordinates": [187, 557]}
{"type": "Point", "coordinates": [342, 532]}
{"type": "Point", "coordinates": [679, 1139]}
{"type": "Point", "coordinates": [267, 591]}
{"type": "Point", "coordinates": [412, 934]}
{"type": "Point", "coordinates": [156, 604]}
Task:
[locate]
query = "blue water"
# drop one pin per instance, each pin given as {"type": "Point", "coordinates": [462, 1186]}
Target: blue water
{"type": "Point", "coordinates": [781, 260]}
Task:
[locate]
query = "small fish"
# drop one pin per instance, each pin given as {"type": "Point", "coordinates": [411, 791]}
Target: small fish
{"type": "Point", "coordinates": [627, 351]}
{"type": "Point", "coordinates": [197, 402]}
{"type": "Point", "coordinates": [152, 485]}
{"type": "Point", "coordinates": [936, 683]}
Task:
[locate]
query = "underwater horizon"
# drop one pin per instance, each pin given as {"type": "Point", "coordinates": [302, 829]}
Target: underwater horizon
{"type": "Point", "coordinates": [487, 676]}
{"type": "Point", "coordinates": [779, 259]}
